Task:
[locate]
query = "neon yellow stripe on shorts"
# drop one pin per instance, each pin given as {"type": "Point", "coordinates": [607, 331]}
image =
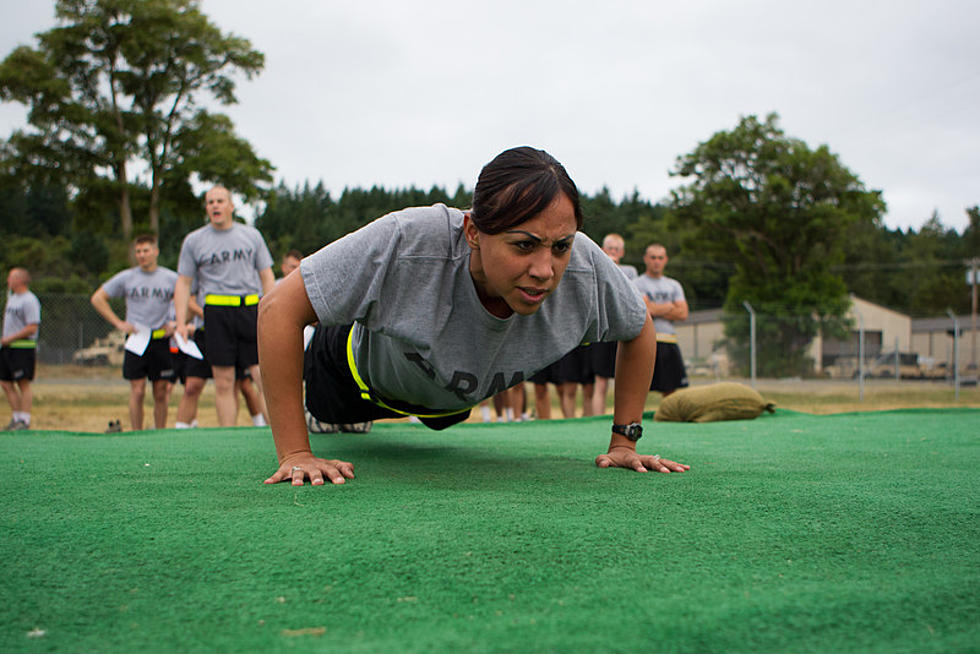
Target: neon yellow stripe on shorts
{"type": "Point", "coordinates": [366, 393]}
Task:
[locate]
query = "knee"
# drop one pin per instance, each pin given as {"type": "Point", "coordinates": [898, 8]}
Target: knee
{"type": "Point", "coordinates": [224, 380]}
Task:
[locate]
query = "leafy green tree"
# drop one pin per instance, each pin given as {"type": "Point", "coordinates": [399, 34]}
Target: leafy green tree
{"type": "Point", "coordinates": [779, 211]}
{"type": "Point", "coordinates": [117, 87]}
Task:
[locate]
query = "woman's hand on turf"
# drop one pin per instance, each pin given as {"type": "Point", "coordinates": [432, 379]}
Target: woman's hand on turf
{"type": "Point", "coordinates": [300, 467]}
{"type": "Point", "coordinates": [627, 457]}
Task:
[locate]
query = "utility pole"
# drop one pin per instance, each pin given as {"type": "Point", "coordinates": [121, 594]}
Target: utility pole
{"type": "Point", "coordinates": [973, 313]}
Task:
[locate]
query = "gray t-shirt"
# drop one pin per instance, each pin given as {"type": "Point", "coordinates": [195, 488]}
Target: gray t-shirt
{"type": "Point", "coordinates": [628, 270]}
{"type": "Point", "coordinates": [22, 309]}
{"type": "Point", "coordinates": [225, 261]}
{"type": "Point", "coordinates": [149, 295]}
{"type": "Point", "coordinates": [422, 335]}
{"type": "Point", "coordinates": [661, 291]}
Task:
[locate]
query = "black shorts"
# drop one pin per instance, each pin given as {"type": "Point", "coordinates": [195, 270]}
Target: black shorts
{"type": "Point", "coordinates": [193, 367]}
{"type": "Point", "coordinates": [547, 375]}
{"type": "Point", "coordinates": [188, 366]}
{"type": "Point", "coordinates": [576, 366]}
{"type": "Point", "coordinates": [668, 373]}
{"type": "Point", "coordinates": [230, 335]}
{"type": "Point", "coordinates": [17, 363]}
{"type": "Point", "coordinates": [156, 363]}
{"type": "Point", "coordinates": [334, 397]}
{"type": "Point", "coordinates": [604, 359]}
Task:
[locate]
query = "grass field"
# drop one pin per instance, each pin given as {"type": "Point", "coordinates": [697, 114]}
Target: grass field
{"type": "Point", "coordinates": [85, 399]}
{"type": "Point", "coordinates": [854, 532]}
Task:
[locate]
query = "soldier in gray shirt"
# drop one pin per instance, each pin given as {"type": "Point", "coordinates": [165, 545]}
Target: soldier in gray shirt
{"type": "Point", "coordinates": [149, 291]}
{"type": "Point", "coordinates": [18, 353]}
{"type": "Point", "coordinates": [664, 297]}
{"type": "Point", "coordinates": [428, 311]}
{"type": "Point", "coordinates": [233, 267]}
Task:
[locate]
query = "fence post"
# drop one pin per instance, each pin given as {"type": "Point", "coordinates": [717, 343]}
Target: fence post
{"type": "Point", "coordinates": [860, 356]}
{"type": "Point", "coordinates": [897, 370]}
{"type": "Point", "coordinates": [956, 353]}
{"type": "Point", "coordinates": [748, 307]}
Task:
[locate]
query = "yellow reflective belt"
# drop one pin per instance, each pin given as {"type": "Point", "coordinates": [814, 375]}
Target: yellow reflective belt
{"type": "Point", "coordinates": [366, 393]}
{"type": "Point", "coordinates": [23, 344]}
{"type": "Point", "coordinates": [666, 338]}
{"type": "Point", "coordinates": [157, 334]}
{"type": "Point", "coordinates": [230, 300]}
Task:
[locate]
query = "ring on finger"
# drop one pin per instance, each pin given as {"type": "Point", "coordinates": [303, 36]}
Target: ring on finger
{"type": "Point", "coordinates": [656, 457]}
{"type": "Point", "coordinates": [295, 468]}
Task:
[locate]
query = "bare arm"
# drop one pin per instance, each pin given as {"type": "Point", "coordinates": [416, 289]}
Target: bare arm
{"type": "Point", "coordinates": [668, 310]}
{"type": "Point", "coordinates": [182, 294]}
{"type": "Point", "coordinates": [193, 308]}
{"type": "Point", "coordinates": [634, 370]}
{"type": "Point", "coordinates": [26, 332]}
{"type": "Point", "coordinates": [268, 280]}
{"type": "Point", "coordinates": [283, 313]}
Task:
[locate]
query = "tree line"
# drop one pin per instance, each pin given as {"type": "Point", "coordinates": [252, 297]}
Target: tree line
{"type": "Point", "coordinates": [920, 272]}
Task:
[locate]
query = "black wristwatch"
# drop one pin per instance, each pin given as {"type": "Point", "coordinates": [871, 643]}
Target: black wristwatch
{"type": "Point", "coordinates": [632, 431]}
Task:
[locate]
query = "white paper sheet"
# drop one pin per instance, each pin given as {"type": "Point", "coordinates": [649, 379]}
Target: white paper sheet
{"type": "Point", "coordinates": [188, 347]}
{"type": "Point", "coordinates": [138, 340]}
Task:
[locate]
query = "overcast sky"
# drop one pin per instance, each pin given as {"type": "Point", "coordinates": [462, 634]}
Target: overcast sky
{"type": "Point", "coordinates": [396, 93]}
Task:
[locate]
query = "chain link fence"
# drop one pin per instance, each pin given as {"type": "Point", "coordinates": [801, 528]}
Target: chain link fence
{"type": "Point", "coordinates": [878, 344]}
{"type": "Point", "coordinates": [72, 332]}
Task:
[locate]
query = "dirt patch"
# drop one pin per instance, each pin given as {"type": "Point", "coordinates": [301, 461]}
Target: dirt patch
{"type": "Point", "coordinates": [78, 398]}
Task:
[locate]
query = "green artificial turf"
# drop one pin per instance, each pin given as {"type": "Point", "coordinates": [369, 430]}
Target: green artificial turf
{"type": "Point", "coordinates": [846, 533]}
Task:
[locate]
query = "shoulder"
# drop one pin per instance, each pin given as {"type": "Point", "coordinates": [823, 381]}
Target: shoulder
{"type": "Point", "coordinates": [427, 225]}
{"type": "Point", "coordinates": [122, 275]}
{"type": "Point", "coordinates": [413, 232]}
{"type": "Point", "coordinates": [247, 230]}
{"type": "Point", "coordinates": [197, 234]}
{"type": "Point", "coordinates": [584, 253]}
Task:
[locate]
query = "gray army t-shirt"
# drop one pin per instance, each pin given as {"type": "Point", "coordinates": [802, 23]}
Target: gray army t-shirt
{"type": "Point", "coordinates": [149, 295]}
{"type": "Point", "coordinates": [423, 336]}
{"type": "Point", "coordinates": [22, 309]}
{"type": "Point", "coordinates": [225, 261]}
{"type": "Point", "coordinates": [628, 270]}
{"type": "Point", "coordinates": [661, 291]}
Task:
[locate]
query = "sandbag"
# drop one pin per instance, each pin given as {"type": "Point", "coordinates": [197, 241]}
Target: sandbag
{"type": "Point", "coordinates": [711, 403]}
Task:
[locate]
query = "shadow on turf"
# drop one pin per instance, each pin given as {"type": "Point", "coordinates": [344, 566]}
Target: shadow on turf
{"type": "Point", "coordinates": [455, 466]}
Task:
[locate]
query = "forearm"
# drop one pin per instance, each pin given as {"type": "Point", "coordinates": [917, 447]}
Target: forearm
{"type": "Point", "coordinates": [182, 294]}
{"type": "Point", "coordinates": [634, 370]}
{"type": "Point", "coordinates": [667, 310]}
{"type": "Point", "coordinates": [675, 311]}
{"type": "Point", "coordinates": [26, 332]}
{"type": "Point", "coordinates": [268, 280]}
{"type": "Point", "coordinates": [280, 340]}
